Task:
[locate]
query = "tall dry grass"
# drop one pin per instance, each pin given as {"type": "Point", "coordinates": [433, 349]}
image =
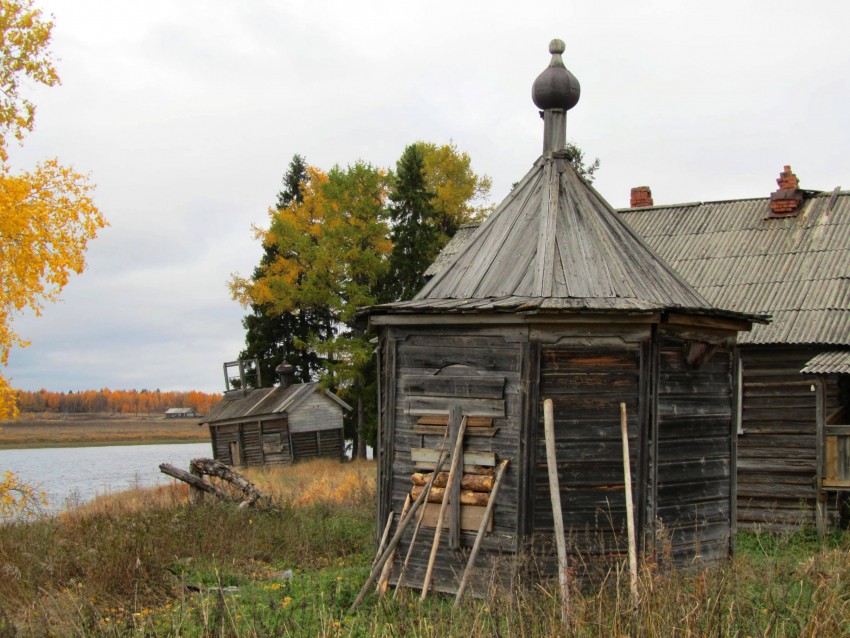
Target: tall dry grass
{"type": "Point", "coordinates": [144, 563]}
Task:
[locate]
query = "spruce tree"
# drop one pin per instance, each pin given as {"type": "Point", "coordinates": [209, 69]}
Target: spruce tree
{"type": "Point", "coordinates": [274, 337]}
{"type": "Point", "coordinates": [415, 234]}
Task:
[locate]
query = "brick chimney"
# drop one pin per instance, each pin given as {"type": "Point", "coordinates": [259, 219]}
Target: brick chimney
{"type": "Point", "coordinates": [786, 201]}
{"type": "Point", "coordinates": [641, 197]}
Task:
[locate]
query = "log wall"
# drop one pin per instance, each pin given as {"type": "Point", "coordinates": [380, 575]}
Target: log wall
{"type": "Point", "coordinates": [587, 384]}
{"type": "Point", "coordinates": [777, 451]}
{"type": "Point", "coordinates": [692, 446]}
{"type": "Point", "coordinates": [260, 442]}
{"type": "Point", "coordinates": [411, 361]}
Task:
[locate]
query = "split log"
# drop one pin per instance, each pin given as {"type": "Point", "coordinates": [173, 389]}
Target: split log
{"type": "Point", "coordinates": [467, 497]}
{"type": "Point", "coordinates": [472, 482]}
{"type": "Point", "coordinates": [194, 481]}
{"type": "Point", "coordinates": [211, 467]}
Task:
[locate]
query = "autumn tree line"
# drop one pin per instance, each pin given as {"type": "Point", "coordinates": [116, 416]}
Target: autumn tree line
{"type": "Point", "coordinates": [114, 401]}
{"type": "Point", "coordinates": [345, 239]}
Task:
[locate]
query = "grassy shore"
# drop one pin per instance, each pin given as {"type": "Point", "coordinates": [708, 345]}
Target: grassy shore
{"type": "Point", "coordinates": [75, 430]}
{"type": "Point", "coordinates": [146, 564]}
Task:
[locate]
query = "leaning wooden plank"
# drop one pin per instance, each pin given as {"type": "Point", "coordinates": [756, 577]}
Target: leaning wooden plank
{"type": "Point", "coordinates": [456, 455]}
{"type": "Point", "coordinates": [480, 536]}
{"type": "Point", "coordinates": [470, 457]}
{"type": "Point", "coordinates": [384, 579]}
{"type": "Point", "coordinates": [402, 525]}
{"type": "Point", "coordinates": [630, 508]}
{"type": "Point", "coordinates": [557, 514]}
{"type": "Point", "coordinates": [386, 533]}
{"type": "Point", "coordinates": [467, 497]}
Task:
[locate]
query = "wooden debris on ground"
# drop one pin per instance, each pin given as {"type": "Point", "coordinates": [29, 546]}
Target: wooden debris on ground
{"type": "Point", "coordinates": [198, 485]}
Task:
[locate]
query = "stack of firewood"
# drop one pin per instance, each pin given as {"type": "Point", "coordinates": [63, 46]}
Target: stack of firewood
{"type": "Point", "coordinates": [474, 488]}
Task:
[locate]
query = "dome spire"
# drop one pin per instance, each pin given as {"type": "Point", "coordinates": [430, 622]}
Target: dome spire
{"type": "Point", "coordinates": [555, 91]}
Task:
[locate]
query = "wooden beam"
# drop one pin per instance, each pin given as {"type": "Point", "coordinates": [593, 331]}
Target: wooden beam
{"type": "Point", "coordinates": [557, 513]}
{"type": "Point", "coordinates": [453, 486]}
{"type": "Point", "coordinates": [426, 406]}
{"type": "Point", "coordinates": [470, 457]}
{"type": "Point", "coordinates": [708, 322]}
{"type": "Point", "coordinates": [486, 518]}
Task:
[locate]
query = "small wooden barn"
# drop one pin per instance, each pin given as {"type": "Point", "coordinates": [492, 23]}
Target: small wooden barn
{"type": "Point", "coordinates": [277, 425]}
{"type": "Point", "coordinates": [554, 296]}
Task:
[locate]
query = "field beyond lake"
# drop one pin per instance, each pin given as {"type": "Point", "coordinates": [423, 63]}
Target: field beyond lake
{"type": "Point", "coordinates": [72, 430]}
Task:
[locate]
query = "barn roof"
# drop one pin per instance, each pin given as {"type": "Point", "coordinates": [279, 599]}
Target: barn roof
{"type": "Point", "coordinates": [554, 244]}
{"type": "Point", "coordinates": [738, 257]}
{"type": "Point", "coordinates": [262, 403]}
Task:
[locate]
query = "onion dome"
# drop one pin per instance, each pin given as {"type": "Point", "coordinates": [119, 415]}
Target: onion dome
{"type": "Point", "coordinates": [556, 87]}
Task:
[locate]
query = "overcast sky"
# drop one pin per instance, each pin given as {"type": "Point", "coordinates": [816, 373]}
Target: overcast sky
{"type": "Point", "coordinates": [186, 113]}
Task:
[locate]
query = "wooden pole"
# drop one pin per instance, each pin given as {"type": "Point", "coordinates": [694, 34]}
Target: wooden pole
{"type": "Point", "coordinates": [480, 536]}
{"type": "Point", "coordinates": [407, 556]}
{"type": "Point", "coordinates": [402, 525]}
{"type": "Point", "coordinates": [557, 514]}
{"type": "Point", "coordinates": [384, 579]}
{"type": "Point", "coordinates": [384, 536]}
{"type": "Point", "coordinates": [630, 508]}
{"type": "Point", "coordinates": [456, 454]}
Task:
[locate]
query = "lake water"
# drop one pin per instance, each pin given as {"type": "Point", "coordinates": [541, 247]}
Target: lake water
{"type": "Point", "coordinates": [78, 474]}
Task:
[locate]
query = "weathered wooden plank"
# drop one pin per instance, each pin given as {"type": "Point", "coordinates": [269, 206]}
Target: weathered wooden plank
{"type": "Point", "coordinates": [421, 406]}
{"type": "Point", "coordinates": [480, 387]}
{"type": "Point", "coordinates": [443, 419]}
{"type": "Point", "coordinates": [471, 457]}
{"type": "Point", "coordinates": [438, 430]}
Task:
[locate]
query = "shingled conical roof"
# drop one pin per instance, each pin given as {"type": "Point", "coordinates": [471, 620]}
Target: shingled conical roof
{"type": "Point", "coordinates": [554, 243]}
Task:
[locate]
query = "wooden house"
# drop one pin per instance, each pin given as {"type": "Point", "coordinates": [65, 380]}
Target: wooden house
{"type": "Point", "coordinates": [554, 296]}
{"type": "Point", "coordinates": [788, 255]}
{"type": "Point", "coordinates": [277, 425]}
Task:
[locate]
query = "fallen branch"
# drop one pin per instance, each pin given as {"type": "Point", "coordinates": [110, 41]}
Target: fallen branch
{"type": "Point", "coordinates": [209, 467]}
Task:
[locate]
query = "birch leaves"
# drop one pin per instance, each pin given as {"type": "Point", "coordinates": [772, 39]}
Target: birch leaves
{"type": "Point", "coordinates": [47, 216]}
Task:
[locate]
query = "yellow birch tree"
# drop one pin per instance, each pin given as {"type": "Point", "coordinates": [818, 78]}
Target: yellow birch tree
{"type": "Point", "coordinates": [47, 215]}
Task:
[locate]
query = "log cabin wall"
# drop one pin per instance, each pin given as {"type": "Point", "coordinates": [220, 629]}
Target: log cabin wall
{"type": "Point", "coordinates": [777, 450]}
{"type": "Point", "coordinates": [482, 363]}
{"type": "Point", "coordinates": [587, 375]}
{"type": "Point", "coordinates": [255, 442]}
{"type": "Point", "coordinates": [692, 445]}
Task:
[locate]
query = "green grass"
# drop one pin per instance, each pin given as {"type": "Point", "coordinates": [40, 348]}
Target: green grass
{"type": "Point", "coordinates": [167, 569]}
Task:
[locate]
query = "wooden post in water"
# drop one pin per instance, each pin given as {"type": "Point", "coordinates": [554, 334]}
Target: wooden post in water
{"type": "Point", "coordinates": [557, 514]}
{"type": "Point", "coordinates": [630, 507]}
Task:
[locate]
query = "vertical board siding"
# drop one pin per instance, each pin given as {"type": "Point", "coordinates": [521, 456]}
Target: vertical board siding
{"type": "Point", "coordinates": [276, 442]}
{"type": "Point", "coordinates": [315, 413]}
{"type": "Point", "coordinates": [587, 385]}
{"type": "Point", "coordinates": [427, 352]}
{"type": "Point", "coordinates": [694, 447]}
{"type": "Point", "coordinates": [777, 452]}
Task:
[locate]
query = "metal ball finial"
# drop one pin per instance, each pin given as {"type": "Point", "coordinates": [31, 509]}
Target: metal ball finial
{"type": "Point", "coordinates": [556, 87]}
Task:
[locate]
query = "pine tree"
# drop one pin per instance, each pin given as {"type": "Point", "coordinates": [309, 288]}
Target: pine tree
{"type": "Point", "coordinates": [415, 234]}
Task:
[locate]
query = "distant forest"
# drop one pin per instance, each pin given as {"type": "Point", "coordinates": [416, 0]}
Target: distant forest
{"type": "Point", "coordinates": [115, 401]}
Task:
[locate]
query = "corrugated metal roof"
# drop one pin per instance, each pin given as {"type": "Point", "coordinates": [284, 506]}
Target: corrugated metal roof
{"type": "Point", "coordinates": [829, 362]}
{"type": "Point", "coordinates": [260, 402]}
{"type": "Point", "coordinates": [797, 269]}
{"type": "Point", "coordinates": [553, 244]}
